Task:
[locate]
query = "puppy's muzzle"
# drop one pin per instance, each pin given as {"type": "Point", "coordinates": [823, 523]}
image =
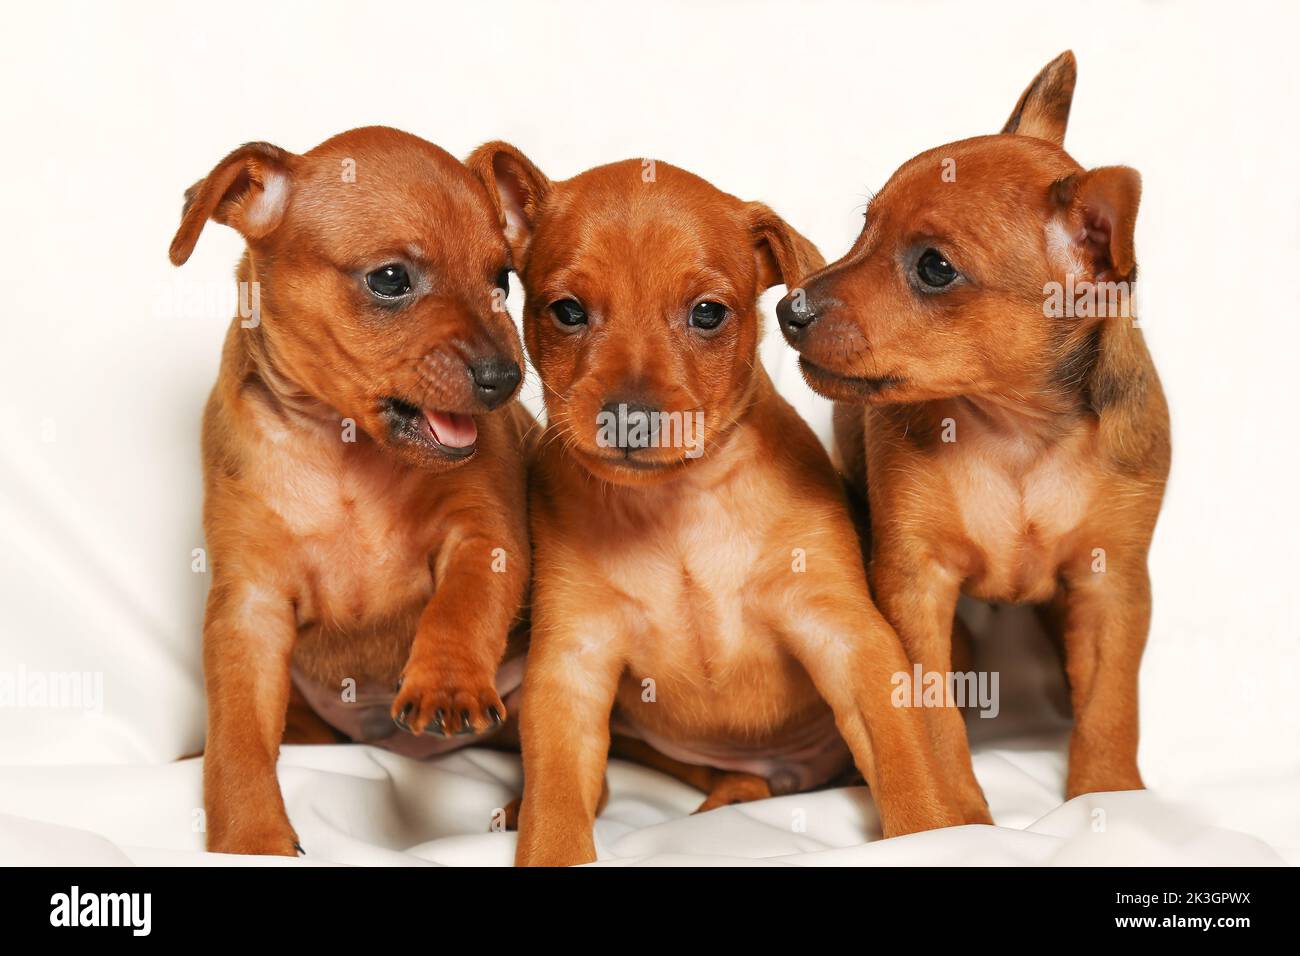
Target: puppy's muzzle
{"type": "Point", "coordinates": [796, 314]}
{"type": "Point", "coordinates": [495, 380]}
{"type": "Point", "coordinates": [632, 426]}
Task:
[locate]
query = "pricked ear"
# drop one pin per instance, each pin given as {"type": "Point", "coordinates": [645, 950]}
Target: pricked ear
{"type": "Point", "coordinates": [517, 188]}
{"type": "Point", "coordinates": [1100, 208]}
{"type": "Point", "coordinates": [783, 256]}
{"type": "Point", "coordinates": [1044, 107]}
{"type": "Point", "coordinates": [248, 191]}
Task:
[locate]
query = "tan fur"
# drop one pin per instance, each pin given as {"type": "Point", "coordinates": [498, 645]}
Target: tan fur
{"type": "Point", "coordinates": [1057, 432]}
{"type": "Point", "coordinates": [370, 559]}
{"type": "Point", "coordinates": [677, 570]}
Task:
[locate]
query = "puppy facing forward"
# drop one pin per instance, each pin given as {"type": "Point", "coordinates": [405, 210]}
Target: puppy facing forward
{"type": "Point", "coordinates": [697, 572]}
{"type": "Point", "coordinates": [1001, 409]}
{"type": "Point", "coordinates": [364, 503]}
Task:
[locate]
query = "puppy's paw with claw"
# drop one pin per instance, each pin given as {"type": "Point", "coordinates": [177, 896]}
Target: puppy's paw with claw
{"type": "Point", "coordinates": [440, 704]}
{"type": "Point", "coordinates": [256, 841]}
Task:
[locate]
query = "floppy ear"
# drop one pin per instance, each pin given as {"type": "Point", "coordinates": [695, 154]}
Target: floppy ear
{"type": "Point", "coordinates": [517, 188]}
{"type": "Point", "coordinates": [783, 256]}
{"type": "Point", "coordinates": [1100, 210]}
{"type": "Point", "coordinates": [1044, 107]}
{"type": "Point", "coordinates": [248, 191]}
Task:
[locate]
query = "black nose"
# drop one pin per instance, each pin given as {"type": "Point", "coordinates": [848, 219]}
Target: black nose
{"type": "Point", "coordinates": [795, 313]}
{"type": "Point", "coordinates": [628, 426]}
{"type": "Point", "coordinates": [495, 379]}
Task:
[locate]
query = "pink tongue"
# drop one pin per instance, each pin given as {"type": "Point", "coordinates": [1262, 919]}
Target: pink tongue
{"type": "Point", "coordinates": [452, 428]}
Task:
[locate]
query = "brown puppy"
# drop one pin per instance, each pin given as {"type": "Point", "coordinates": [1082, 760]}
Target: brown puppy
{"type": "Point", "coordinates": [697, 572]}
{"type": "Point", "coordinates": [365, 518]}
{"type": "Point", "coordinates": [1014, 442]}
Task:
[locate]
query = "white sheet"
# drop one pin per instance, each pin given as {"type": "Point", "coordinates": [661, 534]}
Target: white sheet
{"type": "Point", "coordinates": [359, 805]}
{"type": "Point", "coordinates": [362, 806]}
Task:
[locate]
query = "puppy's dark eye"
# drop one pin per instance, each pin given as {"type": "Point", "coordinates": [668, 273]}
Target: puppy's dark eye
{"type": "Point", "coordinates": [934, 270]}
{"type": "Point", "coordinates": [503, 281]}
{"type": "Point", "coordinates": [389, 282]}
{"type": "Point", "coordinates": [708, 315]}
{"type": "Point", "coordinates": [568, 313]}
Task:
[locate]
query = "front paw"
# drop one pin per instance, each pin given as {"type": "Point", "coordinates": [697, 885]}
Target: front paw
{"type": "Point", "coordinates": [442, 703]}
{"type": "Point", "coordinates": [574, 851]}
{"type": "Point", "coordinates": [270, 840]}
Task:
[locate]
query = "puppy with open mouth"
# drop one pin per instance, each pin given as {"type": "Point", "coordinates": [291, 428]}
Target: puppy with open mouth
{"type": "Point", "coordinates": [707, 595]}
{"type": "Point", "coordinates": [364, 465]}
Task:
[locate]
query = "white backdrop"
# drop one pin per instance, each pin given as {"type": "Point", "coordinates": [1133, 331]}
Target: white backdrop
{"type": "Point", "coordinates": [112, 109]}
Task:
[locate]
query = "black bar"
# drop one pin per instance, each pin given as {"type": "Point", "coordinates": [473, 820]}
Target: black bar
{"type": "Point", "coordinates": [302, 904]}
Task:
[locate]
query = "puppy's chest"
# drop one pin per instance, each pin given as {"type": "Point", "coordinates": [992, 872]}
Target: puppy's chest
{"type": "Point", "coordinates": [355, 523]}
{"type": "Point", "coordinates": [1021, 506]}
{"type": "Point", "coordinates": [692, 605]}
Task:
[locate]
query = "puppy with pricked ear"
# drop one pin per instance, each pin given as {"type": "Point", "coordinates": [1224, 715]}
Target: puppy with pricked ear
{"type": "Point", "coordinates": [698, 585]}
{"type": "Point", "coordinates": [364, 468]}
{"type": "Point", "coordinates": [1043, 110]}
{"type": "Point", "coordinates": [998, 405]}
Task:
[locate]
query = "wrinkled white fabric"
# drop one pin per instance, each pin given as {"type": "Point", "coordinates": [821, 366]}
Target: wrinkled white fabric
{"type": "Point", "coordinates": [359, 805]}
{"type": "Point", "coordinates": [364, 806]}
